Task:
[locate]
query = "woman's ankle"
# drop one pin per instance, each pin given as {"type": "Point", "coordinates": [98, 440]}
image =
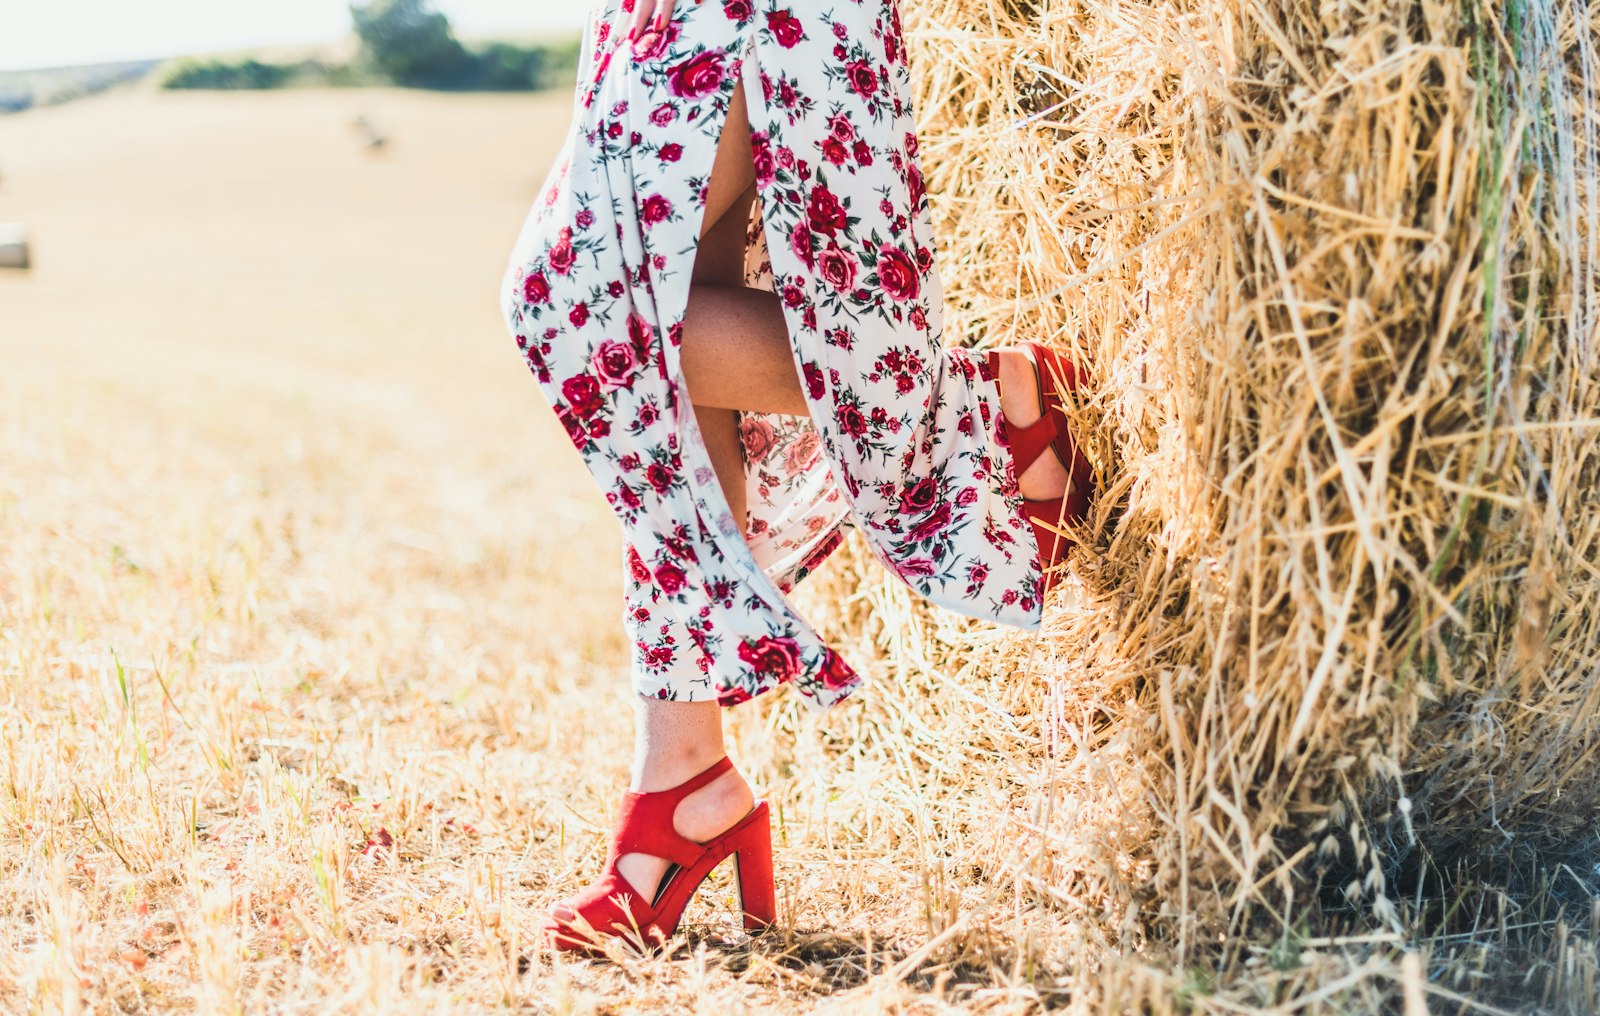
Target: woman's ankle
{"type": "Point", "coordinates": [1046, 478]}
{"type": "Point", "coordinates": [658, 770]}
{"type": "Point", "coordinates": [677, 741]}
{"type": "Point", "coordinates": [1019, 388]}
{"type": "Point", "coordinates": [714, 809]}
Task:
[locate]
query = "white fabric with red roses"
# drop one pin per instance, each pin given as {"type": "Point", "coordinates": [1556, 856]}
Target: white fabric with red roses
{"type": "Point", "coordinates": [904, 437]}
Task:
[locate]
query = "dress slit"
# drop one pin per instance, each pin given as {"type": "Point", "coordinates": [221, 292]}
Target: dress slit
{"type": "Point", "coordinates": [721, 526]}
{"type": "Point", "coordinates": [902, 436]}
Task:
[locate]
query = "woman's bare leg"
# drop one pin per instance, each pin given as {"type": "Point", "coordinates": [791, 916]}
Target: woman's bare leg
{"type": "Point", "coordinates": [720, 429]}
{"type": "Point", "coordinates": [719, 269]}
{"type": "Point", "coordinates": [736, 354]}
{"type": "Point", "coordinates": [675, 742]}
{"type": "Point", "coordinates": [735, 351]}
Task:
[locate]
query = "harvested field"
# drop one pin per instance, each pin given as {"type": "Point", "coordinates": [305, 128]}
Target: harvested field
{"type": "Point", "coordinates": [313, 687]}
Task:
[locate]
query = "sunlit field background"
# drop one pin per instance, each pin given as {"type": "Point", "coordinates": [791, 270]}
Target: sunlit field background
{"type": "Point", "coordinates": [314, 691]}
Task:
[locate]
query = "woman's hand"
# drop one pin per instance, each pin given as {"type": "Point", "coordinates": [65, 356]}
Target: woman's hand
{"type": "Point", "coordinates": [650, 16]}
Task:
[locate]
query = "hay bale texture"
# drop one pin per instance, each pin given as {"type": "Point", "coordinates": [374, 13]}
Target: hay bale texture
{"type": "Point", "coordinates": [1330, 654]}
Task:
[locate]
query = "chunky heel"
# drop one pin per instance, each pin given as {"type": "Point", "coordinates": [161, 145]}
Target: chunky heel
{"type": "Point", "coordinates": [752, 862]}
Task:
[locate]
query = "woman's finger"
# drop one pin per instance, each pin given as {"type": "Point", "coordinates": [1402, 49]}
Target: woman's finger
{"type": "Point", "coordinates": [644, 12]}
{"type": "Point", "coordinates": [663, 14]}
{"type": "Point", "coordinates": [641, 9]}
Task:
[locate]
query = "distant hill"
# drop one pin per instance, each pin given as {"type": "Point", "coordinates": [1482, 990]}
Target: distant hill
{"type": "Point", "coordinates": [20, 90]}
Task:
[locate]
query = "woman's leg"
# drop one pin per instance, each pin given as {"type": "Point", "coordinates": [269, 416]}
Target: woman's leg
{"type": "Point", "coordinates": [736, 353]}
{"type": "Point", "coordinates": [736, 356]}
{"type": "Point", "coordinates": [720, 430]}
{"type": "Point", "coordinates": [676, 741]}
{"type": "Point", "coordinates": [719, 271]}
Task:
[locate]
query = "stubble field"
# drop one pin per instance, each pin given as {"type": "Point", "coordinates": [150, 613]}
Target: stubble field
{"type": "Point", "coordinates": [312, 689]}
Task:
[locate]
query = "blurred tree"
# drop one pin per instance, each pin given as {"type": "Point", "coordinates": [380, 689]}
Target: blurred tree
{"type": "Point", "coordinates": [503, 67]}
{"type": "Point", "coordinates": [507, 67]}
{"type": "Point", "coordinates": [244, 74]}
{"type": "Point", "coordinates": [410, 42]}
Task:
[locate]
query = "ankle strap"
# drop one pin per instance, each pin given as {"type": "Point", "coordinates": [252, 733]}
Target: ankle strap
{"type": "Point", "coordinates": [1030, 442]}
{"type": "Point", "coordinates": [693, 783]}
{"type": "Point", "coordinates": [645, 823]}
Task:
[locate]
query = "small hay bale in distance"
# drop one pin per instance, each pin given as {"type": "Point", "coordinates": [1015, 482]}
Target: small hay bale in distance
{"type": "Point", "coordinates": [14, 250]}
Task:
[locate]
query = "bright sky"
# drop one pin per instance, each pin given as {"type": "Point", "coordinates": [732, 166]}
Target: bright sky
{"type": "Point", "coordinates": [52, 33]}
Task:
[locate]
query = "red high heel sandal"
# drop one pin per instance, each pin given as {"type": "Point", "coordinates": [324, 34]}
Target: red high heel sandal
{"type": "Point", "coordinates": [1051, 432]}
{"type": "Point", "coordinates": [612, 908]}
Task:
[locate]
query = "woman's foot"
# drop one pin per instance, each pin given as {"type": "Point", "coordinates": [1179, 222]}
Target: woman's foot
{"type": "Point", "coordinates": [652, 829]}
{"type": "Point", "coordinates": [1055, 480]}
{"type": "Point", "coordinates": [700, 818]}
{"type": "Point", "coordinates": [1046, 479]}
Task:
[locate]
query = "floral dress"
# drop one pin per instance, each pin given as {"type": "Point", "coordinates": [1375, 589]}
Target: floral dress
{"type": "Point", "coordinates": [904, 437]}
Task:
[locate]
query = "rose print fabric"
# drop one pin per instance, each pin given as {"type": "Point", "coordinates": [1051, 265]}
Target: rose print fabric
{"type": "Point", "coordinates": [904, 438]}
{"type": "Point", "coordinates": [795, 518]}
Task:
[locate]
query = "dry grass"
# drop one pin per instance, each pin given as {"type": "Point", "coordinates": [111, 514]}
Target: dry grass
{"type": "Point", "coordinates": [313, 696]}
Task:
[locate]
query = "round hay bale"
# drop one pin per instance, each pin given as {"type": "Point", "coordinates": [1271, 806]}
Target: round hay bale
{"type": "Point", "coordinates": [1330, 653]}
{"type": "Point", "coordinates": [14, 252]}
